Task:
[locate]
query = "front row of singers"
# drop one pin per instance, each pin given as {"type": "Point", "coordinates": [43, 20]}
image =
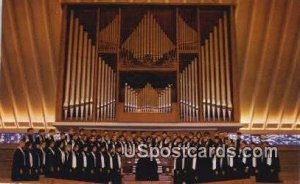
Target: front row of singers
{"type": "Point", "coordinates": [198, 170]}
{"type": "Point", "coordinates": [59, 160]}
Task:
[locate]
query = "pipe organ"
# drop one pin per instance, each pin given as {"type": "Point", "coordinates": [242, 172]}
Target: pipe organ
{"type": "Point", "coordinates": [189, 97]}
{"type": "Point", "coordinates": [147, 99]}
{"type": "Point", "coordinates": [215, 67]}
{"type": "Point", "coordinates": [127, 62]}
{"type": "Point", "coordinates": [148, 45]}
{"type": "Point", "coordinates": [81, 57]}
{"type": "Point", "coordinates": [106, 91]}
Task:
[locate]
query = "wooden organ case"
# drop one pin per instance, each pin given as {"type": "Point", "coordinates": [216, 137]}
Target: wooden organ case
{"type": "Point", "coordinates": [148, 64]}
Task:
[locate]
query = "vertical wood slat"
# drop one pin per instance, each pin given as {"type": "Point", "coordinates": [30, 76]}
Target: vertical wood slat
{"type": "Point", "coordinates": [60, 83]}
{"type": "Point", "coordinates": [18, 55]}
{"type": "Point", "coordinates": [234, 65]}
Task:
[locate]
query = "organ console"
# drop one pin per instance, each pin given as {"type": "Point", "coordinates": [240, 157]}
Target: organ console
{"type": "Point", "coordinates": [195, 59]}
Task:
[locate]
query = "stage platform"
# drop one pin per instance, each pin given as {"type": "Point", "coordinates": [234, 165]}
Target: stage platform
{"type": "Point", "coordinates": [180, 126]}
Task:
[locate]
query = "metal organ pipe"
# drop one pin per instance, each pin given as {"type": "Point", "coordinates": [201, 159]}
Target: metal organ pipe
{"type": "Point", "coordinates": [209, 72]}
{"type": "Point", "coordinates": [66, 105]}
{"type": "Point", "coordinates": [148, 99]}
{"type": "Point", "coordinates": [215, 74]}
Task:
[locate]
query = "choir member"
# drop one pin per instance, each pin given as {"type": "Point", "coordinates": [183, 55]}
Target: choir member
{"type": "Point", "coordinates": [255, 165]}
{"type": "Point", "coordinates": [29, 137]}
{"type": "Point", "coordinates": [238, 140]}
{"type": "Point", "coordinates": [32, 163]}
{"type": "Point", "coordinates": [116, 165]}
{"type": "Point", "coordinates": [67, 170]}
{"type": "Point", "coordinates": [105, 164]}
{"type": "Point", "coordinates": [178, 169]}
{"type": "Point", "coordinates": [51, 161]}
{"type": "Point", "coordinates": [93, 164]}
{"type": "Point", "coordinates": [234, 167]}
{"type": "Point", "coordinates": [50, 137]}
{"type": "Point", "coordinates": [93, 133]}
{"type": "Point", "coordinates": [190, 167]}
{"type": "Point", "coordinates": [19, 163]}
{"type": "Point", "coordinates": [83, 163]}
{"type": "Point", "coordinates": [70, 134]}
{"type": "Point", "coordinates": [245, 161]}
{"type": "Point", "coordinates": [40, 148]}
{"type": "Point", "coordinates": [40, 137]}
{"type": "Point", "coordinates": [74, 163]}
{"type": "Point", "coordinates": [61, 158]}
{"type": "Point", "coordinates": [269, 167]}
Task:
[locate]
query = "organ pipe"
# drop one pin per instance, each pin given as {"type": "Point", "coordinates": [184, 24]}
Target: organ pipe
{"type": "Point", "coordinates": [209, 71]}
{"type": "Point", "coordinates": [79, 85]}
{"type": "Point", "coordinates": [148, 99]}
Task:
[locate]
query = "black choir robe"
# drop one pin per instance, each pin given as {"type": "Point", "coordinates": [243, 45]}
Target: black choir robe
{"type": "Point", "coordinates": [19, 165]}
{"type": "Point", "coordinates": [72, 165]}
{"type": "Point", "coordinates": [116, 168]}
{"type": "Point", "coordinates": [245, 163]}
{"type": "Point", "coordinates": [51, 163]}
{"type": "Point", "coordinates": [61, 159]}
{"type": "Point", "coordinates": [32, 165]}
{"type": "Point", "coordinates": [42, 162]}
{"type": "Point", "coordinates": [92, 166]}
{"type": "Point", "coordinates": [255, 168]}
{"type": "Point", "coordinates": [233, 168]}
{"type": "Point", "coordinates": [103, 167]}
{"type": "Point", "coordinates": [107, 168]}
{"type": "Point", "coordinates": [146, 169]}
{"type": "Point", "coordinates": [190, 170]}
{"type": "Point", "coordinates": [178, 170]}
{"type": "Point", "coordinates": [269, 170]}
{"type": "Point", "coordinates": [83, 166]}
{"type": "Point", "coordinates": [201, 171]}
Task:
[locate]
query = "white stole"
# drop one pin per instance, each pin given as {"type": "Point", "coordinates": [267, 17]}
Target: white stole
{"type": "Point", "coordinates": [94, 157]}
{"type": "Point", "coordinates": [74, 160]}
{"type": "Point", "coordinates": [221, 162]}
{"type": "Point", "coordinates": [84, 160]}
{"type": "Point", "coordinates": [30, 160]}
{"type": "Point", "coordinates": [175, 159]}
{"type": "Point", "coordinates": [44, 156]}
{"type": "Point", "coordinates": [63, 156]}
{"type": "Point", "coordinates": [102, 160]}
{"type": "Point", "coordinates": [230, 161]}
{"type": "Point", "coordinates": [182, 163]}
{"type": "Point", "coordinates": [51, 150]}
{"type": "Point", "coordinates": [269, 159]}
{"type": "Point", "coordinates": [119, 160]}
{"type": "Point", "coordinates": [253, 161]}
{"type": "Point", "coordinates": [110, 161]}
{"type": "Point", "coordinates": [214, 163]}
{"type": "Point", "coordinates": [194, 163]}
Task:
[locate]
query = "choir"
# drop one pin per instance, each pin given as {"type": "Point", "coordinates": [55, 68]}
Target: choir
{"type": "Point", "coordinates": [99, 156]}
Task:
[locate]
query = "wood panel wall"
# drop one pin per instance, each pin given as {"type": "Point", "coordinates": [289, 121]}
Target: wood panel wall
{"type": "Point", "coordinates": [268, 45]}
